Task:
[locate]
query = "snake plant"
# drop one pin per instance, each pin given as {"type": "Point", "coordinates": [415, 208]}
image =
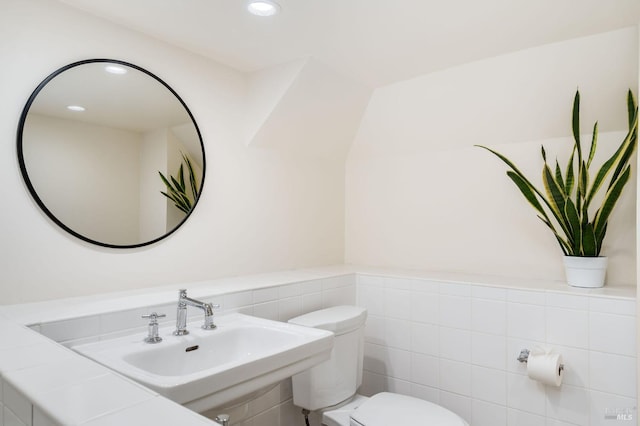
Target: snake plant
{"type": "Point", "coordinates": [565, 204]}
{"type": "Point", "coordinates": [177, 189]}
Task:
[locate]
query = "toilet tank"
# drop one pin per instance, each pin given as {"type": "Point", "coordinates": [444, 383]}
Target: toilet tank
{"type": "Point", "coordinates": [338, 378]}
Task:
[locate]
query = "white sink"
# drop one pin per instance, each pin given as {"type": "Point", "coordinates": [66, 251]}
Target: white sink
{"type": "Point", "coordinates": [213, 368]}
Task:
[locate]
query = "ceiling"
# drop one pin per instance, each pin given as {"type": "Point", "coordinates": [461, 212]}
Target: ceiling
{"type": "Point", "coordinates": [377, 42]}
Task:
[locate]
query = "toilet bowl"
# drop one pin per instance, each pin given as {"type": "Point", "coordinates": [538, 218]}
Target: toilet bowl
{"type": "Point", "coordinates": [330, 387]}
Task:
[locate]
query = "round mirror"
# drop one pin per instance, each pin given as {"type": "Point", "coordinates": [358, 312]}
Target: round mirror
{"type": "Point", "coordinates": [111, 153]}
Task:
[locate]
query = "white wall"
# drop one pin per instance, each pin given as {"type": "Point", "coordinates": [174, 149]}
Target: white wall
{"type": "Point", "coordinates": [419, 195]}
{"type": "Point", "coordinates": [68, 160]}
{"type": "Point", "coordinates": [261, 209]}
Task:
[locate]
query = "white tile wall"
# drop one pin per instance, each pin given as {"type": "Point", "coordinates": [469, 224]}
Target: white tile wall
{"type": "Point", "coordinates": [464, 341]}
{"type": "Point", "coordinates": [99, 398]}
{"type": "Point", "coordinates": [452, 344]}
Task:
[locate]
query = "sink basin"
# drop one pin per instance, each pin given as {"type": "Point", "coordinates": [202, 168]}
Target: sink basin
{"type": "Point", "coordinates": [212, 368]}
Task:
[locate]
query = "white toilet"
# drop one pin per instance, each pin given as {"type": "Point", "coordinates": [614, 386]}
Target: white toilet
{"type": "Point", "coordinates": [331, 386]}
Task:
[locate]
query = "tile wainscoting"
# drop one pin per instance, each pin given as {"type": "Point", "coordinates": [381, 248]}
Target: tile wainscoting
{"type": "Point", "coordinates": [450, 339]}
{"type": "Point", "coordinates": [456, 345]}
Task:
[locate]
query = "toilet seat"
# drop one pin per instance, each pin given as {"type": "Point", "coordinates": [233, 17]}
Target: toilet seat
{"type": "Point", "coordinates": [386, 409]}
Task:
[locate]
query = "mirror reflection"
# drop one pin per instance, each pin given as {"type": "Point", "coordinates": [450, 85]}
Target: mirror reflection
{"type": "Point", "coordinates": [111, 153]}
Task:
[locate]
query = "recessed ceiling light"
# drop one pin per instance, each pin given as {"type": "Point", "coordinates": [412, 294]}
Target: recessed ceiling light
{"type": "Point", "coordinates": [115, 69]}
{"type": "Point", "coordinates": [263, 7]}
{"type": "Point", "coordinates": [76, 108]}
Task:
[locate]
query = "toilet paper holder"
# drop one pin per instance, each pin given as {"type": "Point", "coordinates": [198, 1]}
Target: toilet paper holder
{"type": "Point", "coordinates": [524, 357]}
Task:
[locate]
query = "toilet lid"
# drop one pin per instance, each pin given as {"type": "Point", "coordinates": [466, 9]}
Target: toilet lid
{"type": "Point", "coordinates": [386, 409]}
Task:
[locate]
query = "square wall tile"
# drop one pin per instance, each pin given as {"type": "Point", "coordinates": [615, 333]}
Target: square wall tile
{"type": "Point", "coordinates": [613, 373]}
{"type": "Point", "coordinates": [425, 370]}
{"type": "Point", "coordinates": [455, 377]}
{"type": "Point", "coordinates": [567, 403]}
{"type": "Point", "coordinates": [425, 307]}
{"type": "Point", "coordinates": [489, 316]}
{"type": "Point", "coordinates": [489, 350]}
{"type": "Point", "coordinates": [568, 327]}
{"type": "Point", "coordinates": [612, 333]}
{"type": "Point", "coordinates": [526, 321]}
{"type": "Point", "coordinates": [489, 385]}
{"type": "Point", "coordinates": [339, 296]}
{"type": "Point", "coordinates": [455, 311]}
{"type": "Point", "coordinates": [398, 334]}
{"type": "Point", "coordinates": [425, 339]}
{"type": "Point", "coordinates": [455, 344]}
{"type": "Point", "coordinates": [373, 299]}
{"type": "Point", "coordinates": [487, 414]}
{"type": "Point", "coordinates": [525, 394]}
{"type": "Point", "coordinates": [311, 302]}
{"type": "Point", "coordinates": [397, 303]}
{"type": "Point", "coordinates": [398, 364]}
{"type": "Point", "coordinates": [375, 330]}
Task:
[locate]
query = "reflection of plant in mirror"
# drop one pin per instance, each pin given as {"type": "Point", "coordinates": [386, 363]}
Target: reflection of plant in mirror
{"type": "Point", "coordinates": [177, 189]}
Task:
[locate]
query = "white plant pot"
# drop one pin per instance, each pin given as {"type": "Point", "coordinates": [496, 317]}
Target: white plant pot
{"type": "Point", "coordinates": [588, 272]}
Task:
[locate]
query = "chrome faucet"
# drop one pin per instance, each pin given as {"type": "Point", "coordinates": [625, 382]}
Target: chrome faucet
{"type": "Point", "coordinates": [181, 316]}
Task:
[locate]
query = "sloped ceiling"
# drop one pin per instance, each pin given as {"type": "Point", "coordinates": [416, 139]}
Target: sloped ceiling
{"type": "Point", "coordinates": [376, 42]}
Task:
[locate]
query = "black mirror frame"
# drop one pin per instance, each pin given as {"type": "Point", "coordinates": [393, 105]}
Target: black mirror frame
{"type": "Point", "coordinates": [34, 194]}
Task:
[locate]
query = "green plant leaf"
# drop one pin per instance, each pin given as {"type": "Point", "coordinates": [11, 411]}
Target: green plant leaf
{"type": "Point", "coordinates": [575, 124]}
{"type": "Point", "coordinates": [609, 202]}
{"type": "Point", "coordinates": [575, 236]}
{"type": "Point", "coordinates": [631, 108]}
{"type": "Point", "coordinates": [564, 246]}
{"type": "Point", "coordinates": [559, 179]}
{"type": "Point", "coordinates": [528, 192]}
{"type": "Point", "coordinates": [568, 185]}
{"type": "Point", "coordinates": [627, 148]}
{"type": "Point", "coordinates": [555, 195]}
{"type": "Point", "coordinates": [594, 142]}
{"type": "Point", "coordinates": [589, 245]}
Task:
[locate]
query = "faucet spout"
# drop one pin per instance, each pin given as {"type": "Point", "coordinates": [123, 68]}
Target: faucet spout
{"type": "Point", "coordinates": [181, 316]}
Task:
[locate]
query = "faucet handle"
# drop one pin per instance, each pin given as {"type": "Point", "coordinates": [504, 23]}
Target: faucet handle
{"type": "Point", "coordinates": [153, 316]}
{"type": "Point", "coordinates": [153, 336]}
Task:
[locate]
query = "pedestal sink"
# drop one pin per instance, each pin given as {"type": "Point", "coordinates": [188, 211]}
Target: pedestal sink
{"type": "Point", "coordinates": [213, 368]}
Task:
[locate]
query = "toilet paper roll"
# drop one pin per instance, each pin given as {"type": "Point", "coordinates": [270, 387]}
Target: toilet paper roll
{"type": "Point", "coordinates": [545, 367]}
